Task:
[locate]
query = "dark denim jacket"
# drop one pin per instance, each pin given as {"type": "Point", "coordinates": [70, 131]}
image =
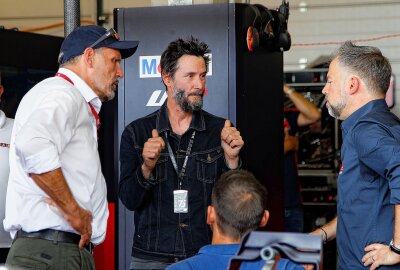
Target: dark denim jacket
{"type": "Point", "coordinates": [160, 234]}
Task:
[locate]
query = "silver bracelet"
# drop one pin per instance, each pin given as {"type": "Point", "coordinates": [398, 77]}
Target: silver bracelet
{"type": "Point", "coordinates": [325, 236]}
{"type": "Point", "coordinates": [289, 91]}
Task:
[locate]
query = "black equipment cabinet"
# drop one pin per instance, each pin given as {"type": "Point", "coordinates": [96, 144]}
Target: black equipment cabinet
{"type": "Point", "coordinates": [243, 86]}
{"type": "Point", "coordinates": [25, 59]}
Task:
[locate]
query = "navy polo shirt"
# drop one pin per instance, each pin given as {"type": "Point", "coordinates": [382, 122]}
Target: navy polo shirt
{"type": "Point", "coordinates": [368, 183]}
{"type": "Point", "coordinates": [291, 180]}
{"type": "Point", "coordinates": [216, 257]}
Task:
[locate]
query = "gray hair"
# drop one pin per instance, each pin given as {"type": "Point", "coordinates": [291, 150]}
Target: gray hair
{"type": "Point", "coordinates": [71, 61]}
{"type": "Point", "coordinates": [75, 59]}
{"type": "Point", "coordinates": [368, 63]}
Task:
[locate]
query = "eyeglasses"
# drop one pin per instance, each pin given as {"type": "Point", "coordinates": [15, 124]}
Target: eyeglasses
{"type": "Point", "coordinates": [110, 33]}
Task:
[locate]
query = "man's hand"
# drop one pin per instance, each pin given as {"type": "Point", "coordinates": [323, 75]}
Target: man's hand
{"type": "Point", "coordinates": [80, 220]}
{"type": "Point", "coordinates": [378, 254]}
{"type": "Point", "coordinates": [151, 152]}
{"type": "Point", "coordinates": [61, 197]}
{"type": "Point", "coordinates": [231, 142]}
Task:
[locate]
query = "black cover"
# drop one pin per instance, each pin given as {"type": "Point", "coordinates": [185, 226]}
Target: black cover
{"type": "Point", "coordinates": [300, 248]}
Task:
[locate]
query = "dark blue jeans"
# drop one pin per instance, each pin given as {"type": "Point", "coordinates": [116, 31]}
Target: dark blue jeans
{"type": "Point", "coordinates": [294, 219]}
{"type": "Point", "coordinates": [142, 264]}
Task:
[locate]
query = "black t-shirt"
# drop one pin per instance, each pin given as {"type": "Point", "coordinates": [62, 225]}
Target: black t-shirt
{"type": "Point", "coordinates": [291, 181]}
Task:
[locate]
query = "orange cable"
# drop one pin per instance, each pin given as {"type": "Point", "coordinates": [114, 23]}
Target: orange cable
{"type": "Point", "coordinates": [56, 25]}
{"type": "Point", "coordinates": [341, 42]}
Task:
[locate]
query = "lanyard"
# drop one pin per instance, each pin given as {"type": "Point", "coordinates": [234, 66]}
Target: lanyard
{"type": "Point", "coordinates": [94, 113]}
{"type": "Point", "coordinates": [6, 145]}
{"type": "Point", "coordinates": [65, 77]}
{"type": "Point", "coordinates": [175, 165]}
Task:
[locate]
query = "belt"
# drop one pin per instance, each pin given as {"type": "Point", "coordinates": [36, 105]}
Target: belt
{"type": "Point", "coordinates": [56, 236]}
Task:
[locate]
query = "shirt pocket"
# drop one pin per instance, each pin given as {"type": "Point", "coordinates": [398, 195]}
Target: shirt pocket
{"type": "Point", "coordinates": [207, 165]}
{"type": "Point", "coordinates": [160, 172]}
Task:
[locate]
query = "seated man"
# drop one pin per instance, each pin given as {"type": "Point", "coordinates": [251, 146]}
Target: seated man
{"type": "Point", "coordinates": [238, 206]}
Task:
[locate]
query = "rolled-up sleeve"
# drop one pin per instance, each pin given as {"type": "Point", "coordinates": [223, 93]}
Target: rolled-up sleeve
{"type": "Point", "coordinates": [48, 129]}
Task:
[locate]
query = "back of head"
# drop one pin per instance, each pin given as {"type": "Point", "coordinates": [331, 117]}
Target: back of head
{"type": "Point", "coordinates": [368, 63]}
{"type": "Point", "coordinates": [239, 201]}
{"type": "Point", "coordinates": [176, 49]}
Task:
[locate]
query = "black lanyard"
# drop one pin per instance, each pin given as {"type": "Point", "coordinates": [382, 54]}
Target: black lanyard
{"type": "Point", "coordinates": [174, 164]}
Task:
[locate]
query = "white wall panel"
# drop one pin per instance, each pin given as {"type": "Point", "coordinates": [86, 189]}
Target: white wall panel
{"type": "Point", "coordinates": [28, 14]}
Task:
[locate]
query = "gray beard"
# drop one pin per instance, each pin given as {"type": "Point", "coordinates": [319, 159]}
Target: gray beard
{"type": "Point", "coordinates": [183, 102]}
{"type": "Point", "coordinates": [109, 98]}
{"type": "Point", "coordinates": [336, 111]}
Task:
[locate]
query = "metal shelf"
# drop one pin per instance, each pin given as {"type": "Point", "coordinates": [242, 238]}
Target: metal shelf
{"type": "Point", "coordinates": [318, 204]}
{"type": "Point", "coordinates": [317, 173]}
{"type": "Point", "coordinates": [320, 84]}
{"type": "Point", "coordinates": [308, 70]}
{"type": "Point", "coordinates": [318, 189]}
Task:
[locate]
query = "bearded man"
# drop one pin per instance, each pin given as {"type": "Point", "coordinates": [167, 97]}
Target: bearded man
{"type": "Point", "coordinates": [171, 159]}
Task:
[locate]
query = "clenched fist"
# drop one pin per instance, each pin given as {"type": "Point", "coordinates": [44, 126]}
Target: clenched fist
{"type": "Point", "coordinates": [151, 152]}
{"type": "Point", "coordinates": [231, 142]}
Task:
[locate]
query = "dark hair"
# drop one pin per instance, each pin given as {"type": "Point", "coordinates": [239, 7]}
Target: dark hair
{"type": "Point", "coordinates": [176, 49]}
{"type": "Point", "coordinates": [239, 201]}
{"type": "Point", "coordinates": [368, 63]}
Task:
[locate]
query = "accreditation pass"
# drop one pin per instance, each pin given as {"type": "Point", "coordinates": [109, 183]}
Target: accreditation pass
{"type": "Point", "coordinates": [180, 201]}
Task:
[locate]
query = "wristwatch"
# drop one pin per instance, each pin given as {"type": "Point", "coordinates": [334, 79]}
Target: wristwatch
{"type": "Point", "coordinates": [394, 248]}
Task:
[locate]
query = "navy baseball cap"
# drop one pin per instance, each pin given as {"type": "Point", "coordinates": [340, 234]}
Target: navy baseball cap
{"type": "Point", "coordinates": [94, 36]}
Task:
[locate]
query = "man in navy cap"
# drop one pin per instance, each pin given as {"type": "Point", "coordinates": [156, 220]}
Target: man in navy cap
{"type": "Point", "coordinates": [56, 206]}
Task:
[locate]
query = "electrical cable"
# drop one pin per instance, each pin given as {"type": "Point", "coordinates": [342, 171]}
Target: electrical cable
{"type": "Point", "coordinates": [341, 42]}
{"type": "Point", "coordinates": [55, 25]}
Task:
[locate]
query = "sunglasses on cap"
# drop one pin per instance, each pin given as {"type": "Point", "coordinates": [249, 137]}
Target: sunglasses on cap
{"type": "Point", "coordinates": [110, 33]}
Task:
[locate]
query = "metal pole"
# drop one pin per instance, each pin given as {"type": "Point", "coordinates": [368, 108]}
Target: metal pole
{"type": "Point", "coordinates": [72, 15]}
{"type": "Point", "coordinates": [100, 17]}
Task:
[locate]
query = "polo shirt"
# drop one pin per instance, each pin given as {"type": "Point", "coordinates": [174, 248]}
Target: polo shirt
{"type": "Point", "coordinates": [216, 257]}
